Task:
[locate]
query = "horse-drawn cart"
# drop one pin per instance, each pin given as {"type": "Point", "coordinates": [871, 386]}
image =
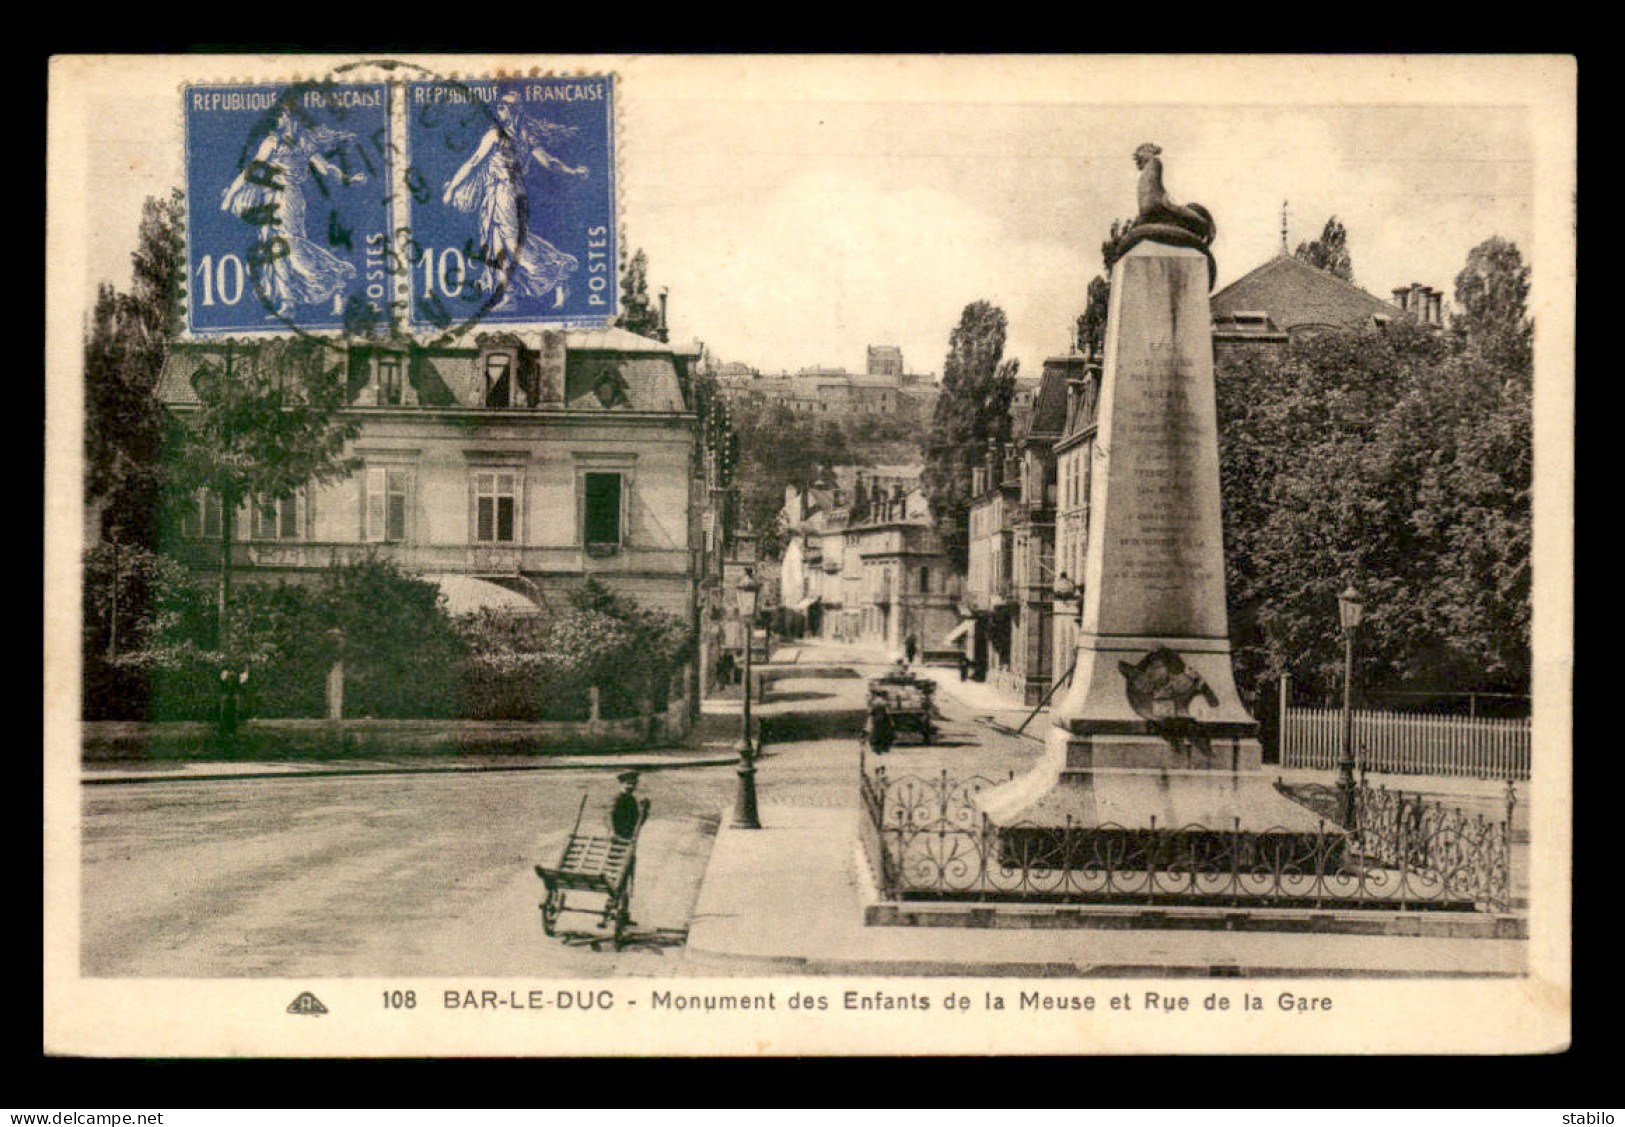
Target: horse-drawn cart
{"type": "Point", "coordinates": [593, 878]}
{"type": "Point", "coordinates": [900, 702]}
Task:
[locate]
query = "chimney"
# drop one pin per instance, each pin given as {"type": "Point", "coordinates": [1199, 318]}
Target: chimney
{"type": "Point", "coordinates": [551, 360]}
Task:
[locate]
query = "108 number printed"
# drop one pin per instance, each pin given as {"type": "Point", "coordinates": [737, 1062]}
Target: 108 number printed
{"type": "Point", "coordinates": [400, 999]}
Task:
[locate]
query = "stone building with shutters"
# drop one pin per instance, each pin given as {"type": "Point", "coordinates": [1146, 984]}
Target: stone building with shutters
{"type": "Point", "coordinates": [863, 563]}
{"type": "Point", "coordinates": [1012, 551]}
{"type": "Point", "coordinates": [526, 461]}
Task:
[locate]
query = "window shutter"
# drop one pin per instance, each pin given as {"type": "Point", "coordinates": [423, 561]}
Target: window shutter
{"type": "Point", "coordinates": [377, 489]}
{"type": "Point", "coordinates": [395, 523]}
{"type": "Point", "coordinates": [484, 507]}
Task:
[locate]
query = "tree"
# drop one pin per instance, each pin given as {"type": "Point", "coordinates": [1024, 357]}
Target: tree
{"type": "Point", "coordinates": [638, 313]}
{"type": "Point", "coordinates": [124, 355]}
{"type": "Point", "coordinates": [267, 423]}
{"type": "Point", "coordinates": [1090, 329]}
{"type": "Point", "coordinates": [1393, 459]}
{"type": "Point", "coordinates": [778, 448]}
{"type": "Point", "coordinates": [1492, 304]}
{"type": "Point", "coordinates": [1330, 252]}
{"type": "Point", "coordinates": [973, 407]}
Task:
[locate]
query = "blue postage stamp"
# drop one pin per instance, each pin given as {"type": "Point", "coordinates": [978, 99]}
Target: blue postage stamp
{"type": "Point", "coordinates": [512, 186]}
{"type": "Point", "coordinates": [288, 207]}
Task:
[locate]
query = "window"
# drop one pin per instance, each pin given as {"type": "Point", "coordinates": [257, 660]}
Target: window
{"type": "Point", "coordinates": [384, 505]}
{"type": "Point", "coordinates": [389, 381]}
{"type": "Point", "coordinates": [279, 518]}
{"type": "Point", "coordinates": [203, 517]}
{"type": "Point", "coordinates": [925, 581]}
{"type": "Point", "coordinates": [601, 510]}
{"type": "Point", "coordinates": [499, 380]}
{"type": "Point", "coordinates": [496, 506]}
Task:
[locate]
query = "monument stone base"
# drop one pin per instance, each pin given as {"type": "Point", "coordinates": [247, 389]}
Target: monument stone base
{"type": "Point", "coordinates": [1181, 784]}
{"type": "Point", "coordinates": [1140, 782]}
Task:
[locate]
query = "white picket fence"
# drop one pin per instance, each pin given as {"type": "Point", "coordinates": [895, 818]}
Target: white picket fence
{"type": "Point", "coordinates": [1408, 743]}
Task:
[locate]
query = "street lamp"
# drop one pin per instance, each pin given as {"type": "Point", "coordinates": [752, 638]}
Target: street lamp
{"type": "Point", "coordinates": [1350, 610]}
{"type": "Point", "coordinates": [1066, 591]}
{"type": "Point", "coordinates": [745, 817]}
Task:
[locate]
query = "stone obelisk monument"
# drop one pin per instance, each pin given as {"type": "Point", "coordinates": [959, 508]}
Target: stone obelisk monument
{"type": "Point", "coordinates": [1151, 732]}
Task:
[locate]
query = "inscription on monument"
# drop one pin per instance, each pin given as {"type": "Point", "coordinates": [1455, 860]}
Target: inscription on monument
{"type": "Point", "coordinates": [1161, 547]}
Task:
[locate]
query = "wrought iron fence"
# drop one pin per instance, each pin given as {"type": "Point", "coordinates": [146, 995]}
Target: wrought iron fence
{"type": "Point", "coordinates": [927, 839]}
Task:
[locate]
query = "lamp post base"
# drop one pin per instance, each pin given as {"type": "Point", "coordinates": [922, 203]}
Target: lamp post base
{"type": "Point", "coordinates": [745, 816]}
{"type": "Point", "coordinates": [1345, 793]}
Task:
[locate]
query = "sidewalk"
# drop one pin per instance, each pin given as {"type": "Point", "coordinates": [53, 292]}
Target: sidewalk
{"type": "Point", "coordinates": [789, 898]}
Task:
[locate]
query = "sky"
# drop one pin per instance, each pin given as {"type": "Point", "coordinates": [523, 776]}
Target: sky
{"type": "Point", "coordinates": [801, 210]}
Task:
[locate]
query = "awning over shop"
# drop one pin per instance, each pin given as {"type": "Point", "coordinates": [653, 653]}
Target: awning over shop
{"type": "Point", "coordinates": [465, 594]}
{"type": "Point", "coordinates": [807, 602]}
{"type": "Point", "coordinates": [960, 631]}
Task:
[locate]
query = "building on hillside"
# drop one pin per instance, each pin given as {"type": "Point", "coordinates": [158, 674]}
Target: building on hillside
{"type": "Point", "coordinates": [1011, 568]}
{"type": "Point", "coordinates": [822, 392]}
{"type": "Point", "coordinates": [884, 360]}
{"type": "Point", "coordinates": [524, 462]}
{"type": "Point", "coordinates": [1285, 298]}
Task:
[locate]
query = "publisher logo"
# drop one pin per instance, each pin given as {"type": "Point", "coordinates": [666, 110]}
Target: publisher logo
{"type": "Point", "coordinates": [307, 1004]}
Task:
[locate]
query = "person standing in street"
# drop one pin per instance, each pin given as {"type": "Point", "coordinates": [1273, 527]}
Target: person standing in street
{"type": "Point", "coordinates": [233, 686]}
{"type": "Point", "coordinates": [629, 811]}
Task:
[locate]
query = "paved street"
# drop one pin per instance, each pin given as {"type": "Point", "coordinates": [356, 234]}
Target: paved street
{"type": "Point", "coordinates": [421, 874]}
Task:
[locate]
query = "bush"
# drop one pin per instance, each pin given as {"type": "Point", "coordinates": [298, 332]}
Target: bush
{"type": "Point", "coordinates": [401, 650]}
{"type": "Point", "coordinates": [543, 666]}
{"type": "Point", "coordinates": [404, 656]}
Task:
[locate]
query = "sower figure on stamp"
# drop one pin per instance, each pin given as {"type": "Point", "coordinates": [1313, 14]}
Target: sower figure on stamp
{"type": "Point", "coordinates": [291, 269]}
{"type": "Point", "coordinates": [491, 182]}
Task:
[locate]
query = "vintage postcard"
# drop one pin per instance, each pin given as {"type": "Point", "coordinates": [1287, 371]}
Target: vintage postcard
{"type": "Point", "coordinates": [625, 555]}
